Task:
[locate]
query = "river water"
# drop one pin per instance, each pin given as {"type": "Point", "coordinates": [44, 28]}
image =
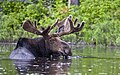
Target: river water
{"type": "Point", "coordinates": [86, 60]}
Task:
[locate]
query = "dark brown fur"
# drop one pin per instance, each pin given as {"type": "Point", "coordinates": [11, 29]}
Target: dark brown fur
{"type": "Point", "coordinates": [49, 45]}
{"type": "Point", "coordinates": [40, 47]}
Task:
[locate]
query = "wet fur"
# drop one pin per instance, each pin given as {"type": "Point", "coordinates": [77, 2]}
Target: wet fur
{"type": "Point", "coordinates": [38, 48]}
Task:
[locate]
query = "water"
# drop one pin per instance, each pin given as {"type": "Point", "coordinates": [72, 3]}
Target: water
{"type": "Point", "coordinates": [86, 60]}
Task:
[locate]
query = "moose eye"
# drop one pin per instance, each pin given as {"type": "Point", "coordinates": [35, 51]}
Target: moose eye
{"type": "Point", "coordinates": [51, 41]}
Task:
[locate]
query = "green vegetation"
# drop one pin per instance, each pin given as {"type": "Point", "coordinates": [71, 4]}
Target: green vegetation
{"type": "Point", "coordinates": [102, 19]}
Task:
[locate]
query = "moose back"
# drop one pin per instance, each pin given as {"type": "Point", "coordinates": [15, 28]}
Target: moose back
{"type": "Point", "coordinates": [49, 45]}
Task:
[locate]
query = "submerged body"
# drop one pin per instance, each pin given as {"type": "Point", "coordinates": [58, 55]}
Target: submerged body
{"type": "Point", "coordinates": [39, 47]}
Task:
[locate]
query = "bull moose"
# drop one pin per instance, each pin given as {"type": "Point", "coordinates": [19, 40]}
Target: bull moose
{"type": "Point", "coordinates": [50, 44]}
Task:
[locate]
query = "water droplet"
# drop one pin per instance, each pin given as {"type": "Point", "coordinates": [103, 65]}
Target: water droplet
{"type": "Point", "coordinates": [61, 63]}
{"type": "Point", "coordinates": [21, 70]}
{"type": "Point", "coordinates": [21, 73]}
{"type": "Point", "coordinates": [58, 66]}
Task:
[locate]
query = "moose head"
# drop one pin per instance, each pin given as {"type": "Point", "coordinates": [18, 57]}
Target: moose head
{"type": "Point", "coordinates": [50, 44]}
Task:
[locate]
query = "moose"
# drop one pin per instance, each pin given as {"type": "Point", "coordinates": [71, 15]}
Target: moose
{"type": "Point", "coordinates": [49, 45]}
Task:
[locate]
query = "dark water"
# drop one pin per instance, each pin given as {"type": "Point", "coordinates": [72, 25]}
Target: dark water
{"type": "Point", "coordinates": [86, 60]}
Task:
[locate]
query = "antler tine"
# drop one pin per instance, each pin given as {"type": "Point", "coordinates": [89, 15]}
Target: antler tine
{"type": "Point", "coordinates": [72, 28]}
{"type": "Point", "coordinates": [28, 26]}
{"type": "Point", "coordinates": [54, 25]}
{"type": "Point", "coordinates": [71, 24]}
{"type": "Point", "coordinates": [70, 16]}
{"type": "Point", "coordinates": [46, 31]}
{"type": "Point", "coordinates": [82, 25]}
{"type": "Point", "coordinates": [75, 21]}
{"type": "Point", "coordinates": [79, 27]}
{"type": "Point", "coordinates": [35, 24]}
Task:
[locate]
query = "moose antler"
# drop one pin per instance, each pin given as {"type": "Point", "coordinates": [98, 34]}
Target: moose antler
{"type": "Point", "coordinates": [69, 26]}
{"type": "Point", "coordinates": [28, 26]}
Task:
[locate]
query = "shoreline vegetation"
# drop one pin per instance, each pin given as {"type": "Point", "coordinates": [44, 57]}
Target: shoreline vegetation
{"type": "Point", "coordinates": [102, 20]}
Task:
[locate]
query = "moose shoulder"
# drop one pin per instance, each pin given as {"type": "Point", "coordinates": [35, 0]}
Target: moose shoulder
{"type": "Point", "coordinates": [49, 45]}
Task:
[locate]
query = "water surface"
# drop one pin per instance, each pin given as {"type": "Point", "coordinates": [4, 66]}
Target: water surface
{"type": "Point", "coordinates": [86, 60]}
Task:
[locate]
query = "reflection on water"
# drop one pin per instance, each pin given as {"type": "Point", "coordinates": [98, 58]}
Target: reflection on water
{"type": "Point", "coordinates": [42, 66]}
{"type": "Point", "coordinates": [86, 60]}
{"type": "Point", "coordinates": [35, 67]}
